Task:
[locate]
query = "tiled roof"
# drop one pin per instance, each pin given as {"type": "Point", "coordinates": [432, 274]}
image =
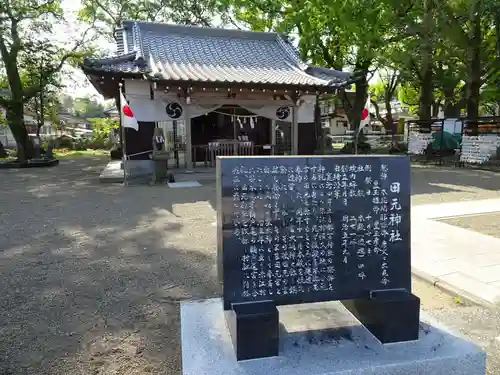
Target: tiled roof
{"type": "Point", "coordinates": [197, 54]}
{"type": "Point", "coordinates": [126, 63]}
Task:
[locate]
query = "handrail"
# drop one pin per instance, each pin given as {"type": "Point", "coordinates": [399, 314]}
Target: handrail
{"type": "Point", "coordinates": [138, 153]}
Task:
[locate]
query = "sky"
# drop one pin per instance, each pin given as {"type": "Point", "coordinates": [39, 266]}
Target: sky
{"type": "Point", "coordinates": [77, 85]}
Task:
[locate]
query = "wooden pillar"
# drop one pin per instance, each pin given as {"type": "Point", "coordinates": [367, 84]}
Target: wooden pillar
{"type": "Point", "coordinates": [118, 107]}
{"type": "Point", "coordinates": [273, 136]}
{"type": "Point", "coordinates": [295, 130]}
{"type": "Point", "coordinates": [189, 143]}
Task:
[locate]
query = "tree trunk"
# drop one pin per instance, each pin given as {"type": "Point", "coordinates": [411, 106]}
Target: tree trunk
{"type": "Point", "coordinates": [497, 35]}
{"type": "Point", "coordinates": [497, 30]}
{"type": "Point", "coordinates": [436, 106]}
{"type": "Point", "coordinates": [15, 119]}
{"type": "Point", "coordinates": [426, 54]}
{"type": "Point", "coordinates": [3, 153]}
{"type": "Point", "coordinates": [426, 97]}
{"type": "Point", "coordinates": [15, 107]}
{"type": "Point", "coordinates": [474, 61]}
{"type": "Point", "coordinates": [377, 114]}
{"type": "Point", "coordinates": [451, 108]}
{"type": "Point", "coordinates": [38, 119]}
{"type": "Point", "coordinates": [389, 120]}
{"type": "Point", "coordinates": [321, 138]}
{"type": "Point", "coordinates": [360, 95]}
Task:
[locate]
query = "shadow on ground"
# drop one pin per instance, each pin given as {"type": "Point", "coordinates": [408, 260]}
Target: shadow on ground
{"type": "Point", "coordinates": [432, 184]}
{"type": "Point", "coordinates": [91, 273]}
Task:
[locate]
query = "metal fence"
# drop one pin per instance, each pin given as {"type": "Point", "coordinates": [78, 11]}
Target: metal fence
{"type": "Point", "coordinates": [461, 142]}
{"type": "Point", "coordinates": [480, 144]}
{"type": "Point", "coordinates": [436, 140]}
{"type": "Point", "coordinates": [458, 142]}
{"type": "Point", "coordinates": [422, 137]}
{"type": "Point", "coordinates": [204, 156]}
{"type": "Point", "coordinates": [378, 141]}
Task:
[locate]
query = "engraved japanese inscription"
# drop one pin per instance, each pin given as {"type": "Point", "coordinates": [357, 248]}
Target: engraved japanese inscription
{"type": "Point", "coordinates": [306, 229]}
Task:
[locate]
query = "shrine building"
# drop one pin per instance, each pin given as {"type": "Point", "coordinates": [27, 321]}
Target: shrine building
{"type": "Point", "coordinates": [214, 91]}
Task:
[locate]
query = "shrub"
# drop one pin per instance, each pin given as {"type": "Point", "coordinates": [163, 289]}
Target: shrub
{"type": "Point", "coordinates": [363, 148]}
{"type": "Point", "coordinates": [64, 142]}
{"type": "Point", "coordinates": [3, 152]}
{"type": "Point", "coordinates": [101, 129]}
{"type": "Point", "coordinates": [116, 154]}
{"type": "Point", "coordinates": [399, 148]}
{"type": "Point", "coordinates": [80, 144]}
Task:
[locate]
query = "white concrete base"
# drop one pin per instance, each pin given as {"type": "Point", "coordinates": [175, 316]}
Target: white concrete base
{"type": "Point", "coordinates": [184, 184]}
{"type": "Point", "coordinates": [324, 339]}
{"type": "Point", "coordinates": [113, 172]}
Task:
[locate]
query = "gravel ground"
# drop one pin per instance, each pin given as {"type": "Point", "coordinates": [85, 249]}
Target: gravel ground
{"type": "Point", "coordinates": [479, 324]}
{"type": "Point", "coordinates": [488, 224]}
{"type": "Point", "coordinates": [92, 273]}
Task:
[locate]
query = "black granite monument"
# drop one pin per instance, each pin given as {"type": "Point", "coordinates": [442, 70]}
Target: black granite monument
{"type": "Point", "coordinates": [308, 229]}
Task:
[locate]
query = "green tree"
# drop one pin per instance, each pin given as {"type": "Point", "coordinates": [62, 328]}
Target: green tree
{"type": "Point", "coordinates": [25, 30]}
{"type": "Point", "coordinates": [408, 95]}
{"type": "Point", "coordinates": [464, 32]}
{"type": "Point", "coordinates": [87, 107]}
{"type": "Point", "coordinates": [111, 13]}
{"type": "Point", "coordinates": [430, 58]}
{"type": "Point", "coordinates": [490, 97]}
{"type": "Point", "coordinates": [33, 66]}
{"type": "Point", "coordinates": [336, 34]}
{"type": "Point", "coordinates": [384, 91]}
{"type": "Point", "coordinates": [101, 128]}
{"type": "Point", "coordinates": [3, 125]}
{"type": "Point", "coordinates": [455, 41]}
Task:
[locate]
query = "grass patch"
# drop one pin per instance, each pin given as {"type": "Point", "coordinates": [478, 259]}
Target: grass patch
{"type": "Point", "coordinates": [66, 153]}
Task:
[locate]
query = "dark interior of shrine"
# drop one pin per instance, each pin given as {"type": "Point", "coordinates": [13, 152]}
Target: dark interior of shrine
{"type": "Point", "coordinates": [228, 123]}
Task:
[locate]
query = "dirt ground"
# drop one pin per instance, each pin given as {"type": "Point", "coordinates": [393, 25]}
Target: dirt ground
{"type": "Point", "coordinates": [477, 323]}
{"type": "Point", "coordinates": [433, 185]}
{"type": "Point", "coordinates": [92, 274]}
{"type": "Point", "coordinates": [488, 224]}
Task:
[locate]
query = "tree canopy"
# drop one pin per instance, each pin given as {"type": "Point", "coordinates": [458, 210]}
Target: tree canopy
{"type": "Point", "coordinates": [111, 13]}
{"type": "Point", "coordinates": [32, 57]}
{"type": "Point", "coordinates": [444, 55]}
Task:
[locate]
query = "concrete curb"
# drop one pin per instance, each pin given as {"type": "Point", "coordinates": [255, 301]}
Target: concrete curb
{"type": "Point", "coordinates": [111, 180]}
{"type": "Point", "coordinates": [451, 289]}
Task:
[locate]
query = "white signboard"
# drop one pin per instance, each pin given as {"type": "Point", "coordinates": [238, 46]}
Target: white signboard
{"type": "Point", "coordinates": [479, 149]}
{"type": "Point", "coordinates": [418, 142]}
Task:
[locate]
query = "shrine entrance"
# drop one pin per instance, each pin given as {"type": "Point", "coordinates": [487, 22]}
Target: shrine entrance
{"type": "Point", "coordinates": [226, 131]}
{"type": "Point", "coordinates": [230, 130]}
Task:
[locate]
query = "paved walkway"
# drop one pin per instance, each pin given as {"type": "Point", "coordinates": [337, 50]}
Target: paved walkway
{"type": "Point", "coordinates": [457, 259]}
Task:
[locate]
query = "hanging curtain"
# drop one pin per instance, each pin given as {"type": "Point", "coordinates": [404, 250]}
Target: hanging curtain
{"type": "Point", "coordinates": [149, 110]}
{"type": "Point", "coordinates": [169, 108]}
{"type": "Point", "coordinates": [283, 113]}
{"type": "Point", "coordinates": [144, 109]}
